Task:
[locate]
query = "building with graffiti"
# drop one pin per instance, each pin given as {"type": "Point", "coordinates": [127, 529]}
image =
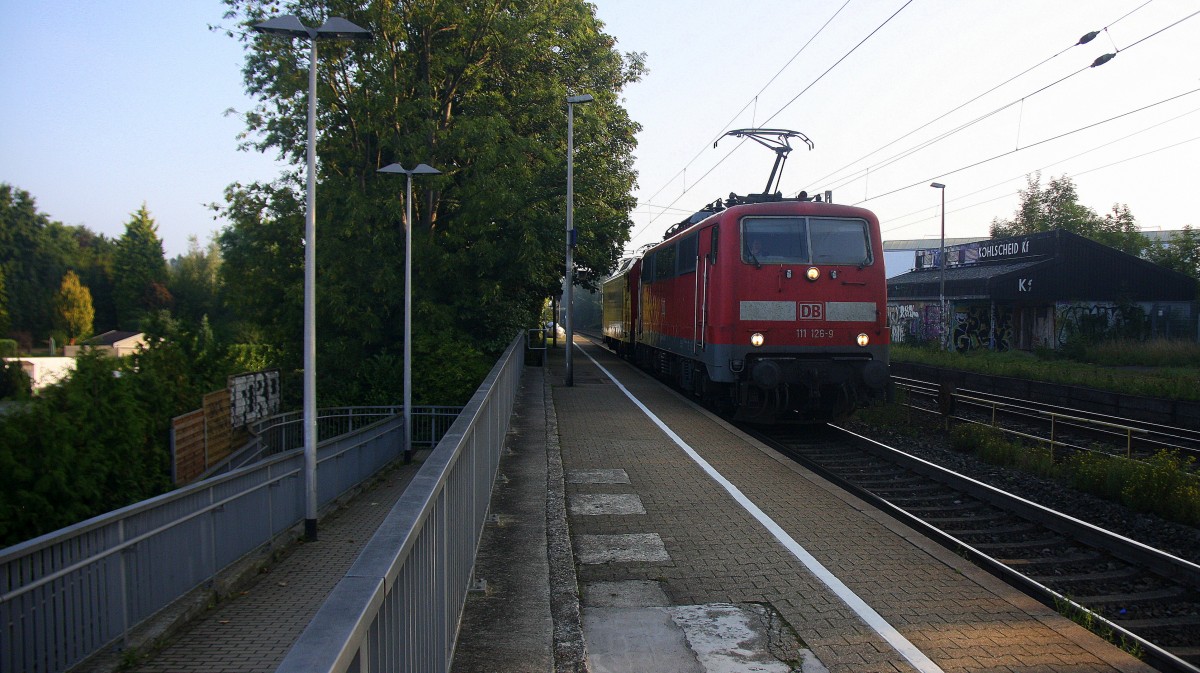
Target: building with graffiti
{"type": "Point", "coordinates": [1039, 290]}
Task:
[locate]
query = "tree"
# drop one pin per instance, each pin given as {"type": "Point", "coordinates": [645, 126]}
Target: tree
{"type": "Point", "coordinates": [1057, 207]}
{"type": "Point", "coordinates": [1119, 229]}
{"type": "Point", "coordinates": [94, 264]}
{"type": "Point", "coordinates": [4, 319]}
{"type": "Point", "coordinates": [64, 457]}
{"type": "Point", "coordinates": [1181, 253]}
{"type": "Point", "coordinates": [193, 280]}
{"type": "Point", "coordinates": [475, 88]}
{"type": "Point", "coordinates": [34, 255]}
{"type": "Point", "coordinates": [73, 308]}
{"type": "Point", "coordinates": [140, 272]}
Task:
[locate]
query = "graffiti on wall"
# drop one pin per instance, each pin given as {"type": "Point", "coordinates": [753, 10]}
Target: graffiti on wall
{"type": "Point", "coordinates": [970, 326]}
{"type": "Point", "coordinates": [973, 328]}
{"type": "Point", "coordinates": [1094, 320]}
{"type": "Point", "coordinates": [918, 321]}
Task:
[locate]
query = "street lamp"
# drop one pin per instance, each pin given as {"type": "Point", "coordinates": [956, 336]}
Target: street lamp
{"type": "Point", "coordinates": [421, 169]}
{"type": "Point", "coordinates": [569, 281]}
{"type": "Point", "coordinates": [942, 270]}
{"type": "Point", "coordinates": [334, 28]}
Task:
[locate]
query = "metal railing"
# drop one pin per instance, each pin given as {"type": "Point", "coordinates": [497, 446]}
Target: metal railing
{"type": "Point", "coordinates": [285, 432]}
{"type": "Point", "coordinates": [67, 594]}
{"type": "Point", "coordinates": [398, 607]}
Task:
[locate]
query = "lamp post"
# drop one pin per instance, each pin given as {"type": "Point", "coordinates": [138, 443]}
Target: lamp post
{"type": "Point", "coordinates": [334, 28]}
{"type": "Point", "coordinates": [942, 271]}
{"type": "Point", "coordinates": [569, 279]}
{"type": "Point", "coordinates": [421, 169]}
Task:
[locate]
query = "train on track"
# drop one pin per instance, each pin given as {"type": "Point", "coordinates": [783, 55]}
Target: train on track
{"type": "Point", "coordinates": [768, 309]}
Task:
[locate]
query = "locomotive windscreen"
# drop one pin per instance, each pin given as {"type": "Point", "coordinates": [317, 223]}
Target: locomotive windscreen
{"type": "Point", "coordinates": [803, 240]}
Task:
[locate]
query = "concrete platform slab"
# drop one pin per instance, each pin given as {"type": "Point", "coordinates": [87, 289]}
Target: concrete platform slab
{"type": "Point", "coordinates": [597, 504]}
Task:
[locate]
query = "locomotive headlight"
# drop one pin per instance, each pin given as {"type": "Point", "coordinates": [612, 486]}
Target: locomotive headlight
{"type": "Point", "coordinates": [813, 273]}
{"type": "Point", "coordinates": [756, 339]}
{"type": "Point", "coordinates": [863, 339]}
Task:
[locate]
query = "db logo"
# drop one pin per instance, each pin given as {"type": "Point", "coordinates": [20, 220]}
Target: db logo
{"type": "Point", "coordinates": [812, 311]}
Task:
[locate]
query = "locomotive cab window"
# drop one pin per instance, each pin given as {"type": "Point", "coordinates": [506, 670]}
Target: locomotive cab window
{"type": "Point", "coordinates": [802, 240]}
{"type": "Point", "coordinates": [774, 240]}
{"type": "Point", "coordinates": [838, 241]}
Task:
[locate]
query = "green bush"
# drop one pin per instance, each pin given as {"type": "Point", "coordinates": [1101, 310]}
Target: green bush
{"type": "Point", "coordinates": [82, 448]}
{"type": "Point", "coordinates": [1165, 485]}
{"type": "Point", "coordinates": [8, 348]}
{"type": "Point", "coordinates": [1099, 474]}
{"type": "Point", "coordinates": [993, 446]}
{"type": "Point", "coordinates": [14, 382]}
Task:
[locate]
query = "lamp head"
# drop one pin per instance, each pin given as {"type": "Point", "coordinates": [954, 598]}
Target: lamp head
{"type": "Point", "coordinates": [337, 28]}
{"type": "Point", "coordinates": [334, 28]}
{"type": "Point", "coordinates": [937, 185]}
{"type": "Point", "coordinates": [288, 25]}
{"type": "Point", "coordinates": [581, 98]}
{"type": "Point", "coordinates": [421, 169]}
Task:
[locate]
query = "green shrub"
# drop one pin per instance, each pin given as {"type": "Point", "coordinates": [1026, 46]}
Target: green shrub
{"type": "Point", "coordinates": [14, 382]}
{"type": "Point", "coordinates": [1099, 474]}
{"type": "Point", "coordinates": [1164, 484]}
{"type": "Point", "coordinates": [8, 348]}
{"type": "Point", "coordinates": [993, 446]}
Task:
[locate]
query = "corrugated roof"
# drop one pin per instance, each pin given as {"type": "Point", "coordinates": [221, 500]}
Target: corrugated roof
{"type": "Point", "coordinates": [928, 243]}
{"type": "Point", "coordinates": [958, 273]}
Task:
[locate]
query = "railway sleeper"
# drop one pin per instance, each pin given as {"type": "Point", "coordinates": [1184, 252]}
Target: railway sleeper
{"type": "Point", "coordinates": [900, 483]}
{"type": "Point", "coordinates": [1159, 622]}
{"type": "Point", "coordinates": [1077, 557]}
{"type": "Point", "coordinates": [1123, 572]}
{"type": "Point", "coordinates": [927, 495]}
{"type": "Point", "coordinates": [946, 522]}
{"type": "Point", "coordinates": [1123, 600]}
{"type": "Point", "coordinates": [999, 530]}
{"type": "Point", "coordinates": [1043, 543]}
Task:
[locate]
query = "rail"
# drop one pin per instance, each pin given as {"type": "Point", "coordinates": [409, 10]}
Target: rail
{"type": "Point", "coordinates": [1153, 435]}
{"type": "Point", "coordinates": [398, 607]}
{"type": "Point", "coordinates": [73, 592]}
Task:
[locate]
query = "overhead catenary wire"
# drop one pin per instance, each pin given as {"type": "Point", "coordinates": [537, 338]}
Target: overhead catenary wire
{"type": "Point", "coordinates": [1096, 63]}
{"type": "Point", "coordinates": [1085, 39]}
{"type": "Point", "coordinates": [753, 101]}
{"type": "Point", "coordinates": [1173, 145]}
{"type": "Point", "coordinates": [777, 112]}
{"type": "Point", "coordinates": [1040, 142]}
{"type": "Point", "coordinates": [1052, 164]}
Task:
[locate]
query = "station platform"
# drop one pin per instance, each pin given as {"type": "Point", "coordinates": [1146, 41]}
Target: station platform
{"type": "Point", "coordinates": [632, 531]}
{"type": "Point", "coordinates": [696, 548]}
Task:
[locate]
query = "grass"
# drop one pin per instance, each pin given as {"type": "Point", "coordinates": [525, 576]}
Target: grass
{"type": "Point", "coordinates": [1165, 485]}
{"type": "Point", "coordinates": [991, 445]}
{"type": "Point", "coordinates": [1165, 369]}
{"type": "Point", "coordinates": [1087, 619]}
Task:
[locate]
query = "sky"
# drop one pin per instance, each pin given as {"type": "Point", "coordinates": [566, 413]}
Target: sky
{"type": "Point", "coordinates": [112, 105]}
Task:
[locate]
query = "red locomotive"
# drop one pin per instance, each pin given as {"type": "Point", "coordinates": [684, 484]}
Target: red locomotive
{"type": "Point", "coordinates": [767, 309]}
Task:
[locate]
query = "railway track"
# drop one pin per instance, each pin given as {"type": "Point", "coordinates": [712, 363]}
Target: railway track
{"type": "Point", "coordinates": [1071, 429]}
{"type": "Point", "coordinates": [1146, 600]}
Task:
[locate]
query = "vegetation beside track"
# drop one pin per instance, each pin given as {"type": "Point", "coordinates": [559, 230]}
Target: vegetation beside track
{"type": "Point", "coordinates": [1165, 485]}
{"type": "Point", "coordinates": [1165, 369]}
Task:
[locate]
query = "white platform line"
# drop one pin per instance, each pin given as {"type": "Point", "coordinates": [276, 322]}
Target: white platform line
{"type": "Point", "coordinates": [858, 605]}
